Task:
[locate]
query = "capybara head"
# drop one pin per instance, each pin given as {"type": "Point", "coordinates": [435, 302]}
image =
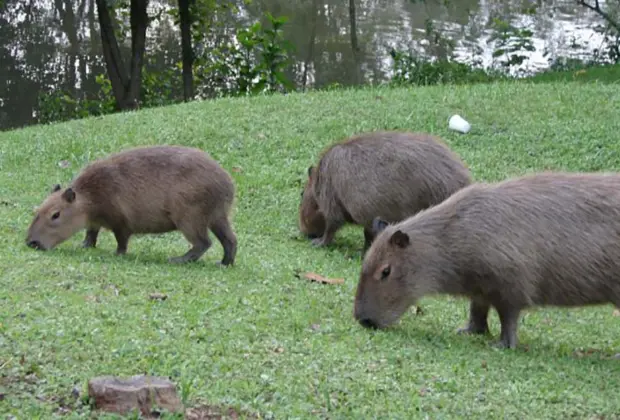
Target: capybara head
{"type": "Point", "coordinates": [57, 219]}
{"type": "Point", "coordinates": [311, 219]}
{"type": "Point", "coordinates": [394, 273]}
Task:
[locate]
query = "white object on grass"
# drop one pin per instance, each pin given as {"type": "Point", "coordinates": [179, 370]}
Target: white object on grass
{"type": "Point", "coordinates": [457, 123]}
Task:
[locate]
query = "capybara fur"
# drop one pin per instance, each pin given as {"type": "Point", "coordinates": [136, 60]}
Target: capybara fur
{"type": "Point", "coordinates": [387, 174]}
{"type": "Point", "coordinates": [142, 190]}
{"type": "Point", "coordinates": [547, 239]}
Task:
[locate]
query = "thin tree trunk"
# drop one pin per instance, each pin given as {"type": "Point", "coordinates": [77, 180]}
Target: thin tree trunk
{"type": "Point", "coordinates": [310, 56]}
{"type": "Point", "coordinates": [354, 44]}
{"type": "Point", "coordinates": [186, 47]}
{"type": "Point", "coordinates": [139, 21]}
{"type": "Point", "coordinates": [112, 54]}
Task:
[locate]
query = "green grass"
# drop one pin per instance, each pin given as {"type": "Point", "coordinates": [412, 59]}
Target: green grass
{"type": "Point", "coordinates": [254, 336]}
{"type": "Point", "coordinates": [609, 73]}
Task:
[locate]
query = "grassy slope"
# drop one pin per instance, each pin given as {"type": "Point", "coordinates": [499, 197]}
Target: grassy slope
{"type": "Point", "coordinates": [258, 338]}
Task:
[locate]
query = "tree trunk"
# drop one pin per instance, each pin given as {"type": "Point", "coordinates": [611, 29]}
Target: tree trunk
{"type": "Point", "coordinates": [310, 56]}
{"type": "Point", "coordinates": [354, 44]}
{"type": "Point", "coordinates": [185, 18]}
{"type": "Point", "coordinates": [125, 85]}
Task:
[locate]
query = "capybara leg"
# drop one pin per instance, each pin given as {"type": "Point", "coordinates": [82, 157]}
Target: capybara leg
{"type": "Point", "coordinates": [509, 319]}
{"type": "Point", "coordinates": [122, 239]}
{"type": "Point", "coordinates": [368, 238]}
{"type": "Point", "coordinates": [331, 228]}
{"type": "Point", "coordinates": [200, 245]}
{"type": "Point", "coordinates": [224, 233]}
{"type": "Point", "coordinates": [478, 318]}
{"type": "Point", "coordinates": [90, 241]}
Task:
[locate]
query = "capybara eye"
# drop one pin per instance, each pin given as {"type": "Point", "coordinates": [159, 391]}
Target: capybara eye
{"type": "Point", "coordinates": [385, 272]}
{"type": "Point", "coordinates": [56, 215]}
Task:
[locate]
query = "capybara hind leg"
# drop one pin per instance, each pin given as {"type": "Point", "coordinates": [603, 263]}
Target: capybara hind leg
{"type": "Point", "coordinates": [222, 230]}
{"type": "Point", "coordinates": [90, 241]}
{"type": "Point", "coordinates": [509, 319]}
{"type": "Point", "coordinates": [478, 318]}
{"type": "Point", "coordinates": [200, 244]}
{"type": "Point", "coordinates": [122, 239]}
{"type": "Point", "coordinates": [331, 227]}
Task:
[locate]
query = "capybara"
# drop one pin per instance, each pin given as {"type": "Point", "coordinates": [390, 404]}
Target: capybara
{"type": "Point", "coordinates": [546, 239]}
{"type": "Point", "coordinates": [387, 174]}
{"type": "Point", "coordinates": [153, 189]}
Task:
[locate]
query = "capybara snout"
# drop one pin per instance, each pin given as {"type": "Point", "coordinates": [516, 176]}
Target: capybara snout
{"type": "Point", "coordinates": [143, 190]}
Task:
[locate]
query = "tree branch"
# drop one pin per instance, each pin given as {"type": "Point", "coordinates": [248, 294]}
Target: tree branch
{"type": "Point", "coordinates": [597, 9]}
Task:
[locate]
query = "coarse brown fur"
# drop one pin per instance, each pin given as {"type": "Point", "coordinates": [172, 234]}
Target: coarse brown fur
{"type": "Point", "coordinates": [387, 174]}
{"type": "Point", "coordinates": [548, 239]}
{"type": "Point", "coordinates": [154, 189]}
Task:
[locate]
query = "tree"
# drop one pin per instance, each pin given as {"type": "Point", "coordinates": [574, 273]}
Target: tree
{"type": "Point", "coordinates": [126, 85]}
{"type": "Point", "coordinates": [185, 21]}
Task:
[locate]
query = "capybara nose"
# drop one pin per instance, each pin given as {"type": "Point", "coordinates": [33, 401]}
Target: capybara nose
{"type": "Point", "coordinates": [34, 244]}
{"type": "Point", "coordinates": [368, 323]}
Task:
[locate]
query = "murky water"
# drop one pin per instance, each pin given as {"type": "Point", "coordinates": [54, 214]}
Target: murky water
{"type": "Point", "coordinates": [55, 43]}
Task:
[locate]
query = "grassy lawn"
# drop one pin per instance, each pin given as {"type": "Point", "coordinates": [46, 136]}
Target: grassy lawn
{"type": "Point", "coordinates": [254, 336]}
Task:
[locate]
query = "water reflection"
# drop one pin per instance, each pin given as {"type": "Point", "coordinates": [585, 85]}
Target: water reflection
{"type": "Point", "coordinates": [55, 43]}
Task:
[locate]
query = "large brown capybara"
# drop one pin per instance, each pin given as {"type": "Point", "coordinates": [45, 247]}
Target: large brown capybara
{"type": "Point", "coordinates": [386, 174]}
{"type": "Point", "coordinates": [154, 189]}
{"type": "Point", "coordinates": [548, 239]}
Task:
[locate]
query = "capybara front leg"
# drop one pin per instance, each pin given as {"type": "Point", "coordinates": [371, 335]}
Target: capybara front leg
{"type": "Point", "coordinates": [122, 239]}
{"type": "Point", "coordinates": [224, 233]}
{"type": "Point", "coordinates": [478, 318]}
{"type": "Point", "coordinates": [331, 228]}
{"type": "Point", "coordinates": [90, 241]}
{"type": "Point", "coordinates": [509, 319]}
{"type": "Point", "coordinates": [368, 238]}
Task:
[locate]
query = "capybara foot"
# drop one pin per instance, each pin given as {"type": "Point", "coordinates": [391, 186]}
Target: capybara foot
{"type": "Point", "coordinates": [120, 251]}
{"type": "Point", "coordinates": [184, 258]}
{"type": "Point", "coordinates": [319, 242]}
{"type": "Point", "coordinates": [473, 329]}
{"type": "Point", "coordinates": [224, 263]}
{"type": "Point", "coordinates": [503, 344]}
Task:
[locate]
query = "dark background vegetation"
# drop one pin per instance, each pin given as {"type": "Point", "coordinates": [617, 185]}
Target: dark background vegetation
{"type": "Point", "coordinates": [65, 59]}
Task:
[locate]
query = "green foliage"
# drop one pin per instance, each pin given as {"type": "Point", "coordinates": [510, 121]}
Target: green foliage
{"type": "Point", "coordinates": [254, 64]}
{"type": "Point", "coordinates": [411, 69]}
{"type": "Point", "coordinates": [158, 88]}
{"type": "Point", "coordinates": [510, 42]}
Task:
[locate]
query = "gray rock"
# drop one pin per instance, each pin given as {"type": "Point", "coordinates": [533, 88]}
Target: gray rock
{"type": "Point", "coordinates": [141, 392]}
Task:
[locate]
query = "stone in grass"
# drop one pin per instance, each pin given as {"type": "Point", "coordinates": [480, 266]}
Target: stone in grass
{"type": "Point", "coordinates": [141, 392]}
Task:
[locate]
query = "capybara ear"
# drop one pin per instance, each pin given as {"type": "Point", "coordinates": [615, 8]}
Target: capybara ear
{"type": "Point", "coordinates": [378, 224]}
{"type": "Point", "coordinates": [310, 168]}
{"type": "Point", "coordinates": [56, 187]}
{"type": "Point", "coordinates": [400, 239]}
{"type": "Point", "coordinates": [69, 195]}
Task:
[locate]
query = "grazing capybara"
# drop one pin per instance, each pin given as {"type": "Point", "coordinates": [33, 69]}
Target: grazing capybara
{"type": "Point", "coordinates": [387, 174]}
{"type": "Point", "coordinates": [547, 239]}
{"type": "Point", "coordinates": [154, 189]}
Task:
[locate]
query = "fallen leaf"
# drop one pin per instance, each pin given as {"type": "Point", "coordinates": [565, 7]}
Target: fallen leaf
{"type": "Point", "coordinates": [64, 164]}
{"type": "Point", "coordinates": [279, 350]}
{"type": "Point", "coordinates": [158, 296]}
{"type": "Point", "coordinates": [484, 364]}
{"type": "Point", "coordinates": [236, 169]}
{"type": "Point", "coordinates": [616, 312]}
{"type": "Point", "coordinates": [321, 279]}
{"type": "Point", "coordinates": [315, 327]}
{"type": "Point", "coordinates": [91, 298]}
